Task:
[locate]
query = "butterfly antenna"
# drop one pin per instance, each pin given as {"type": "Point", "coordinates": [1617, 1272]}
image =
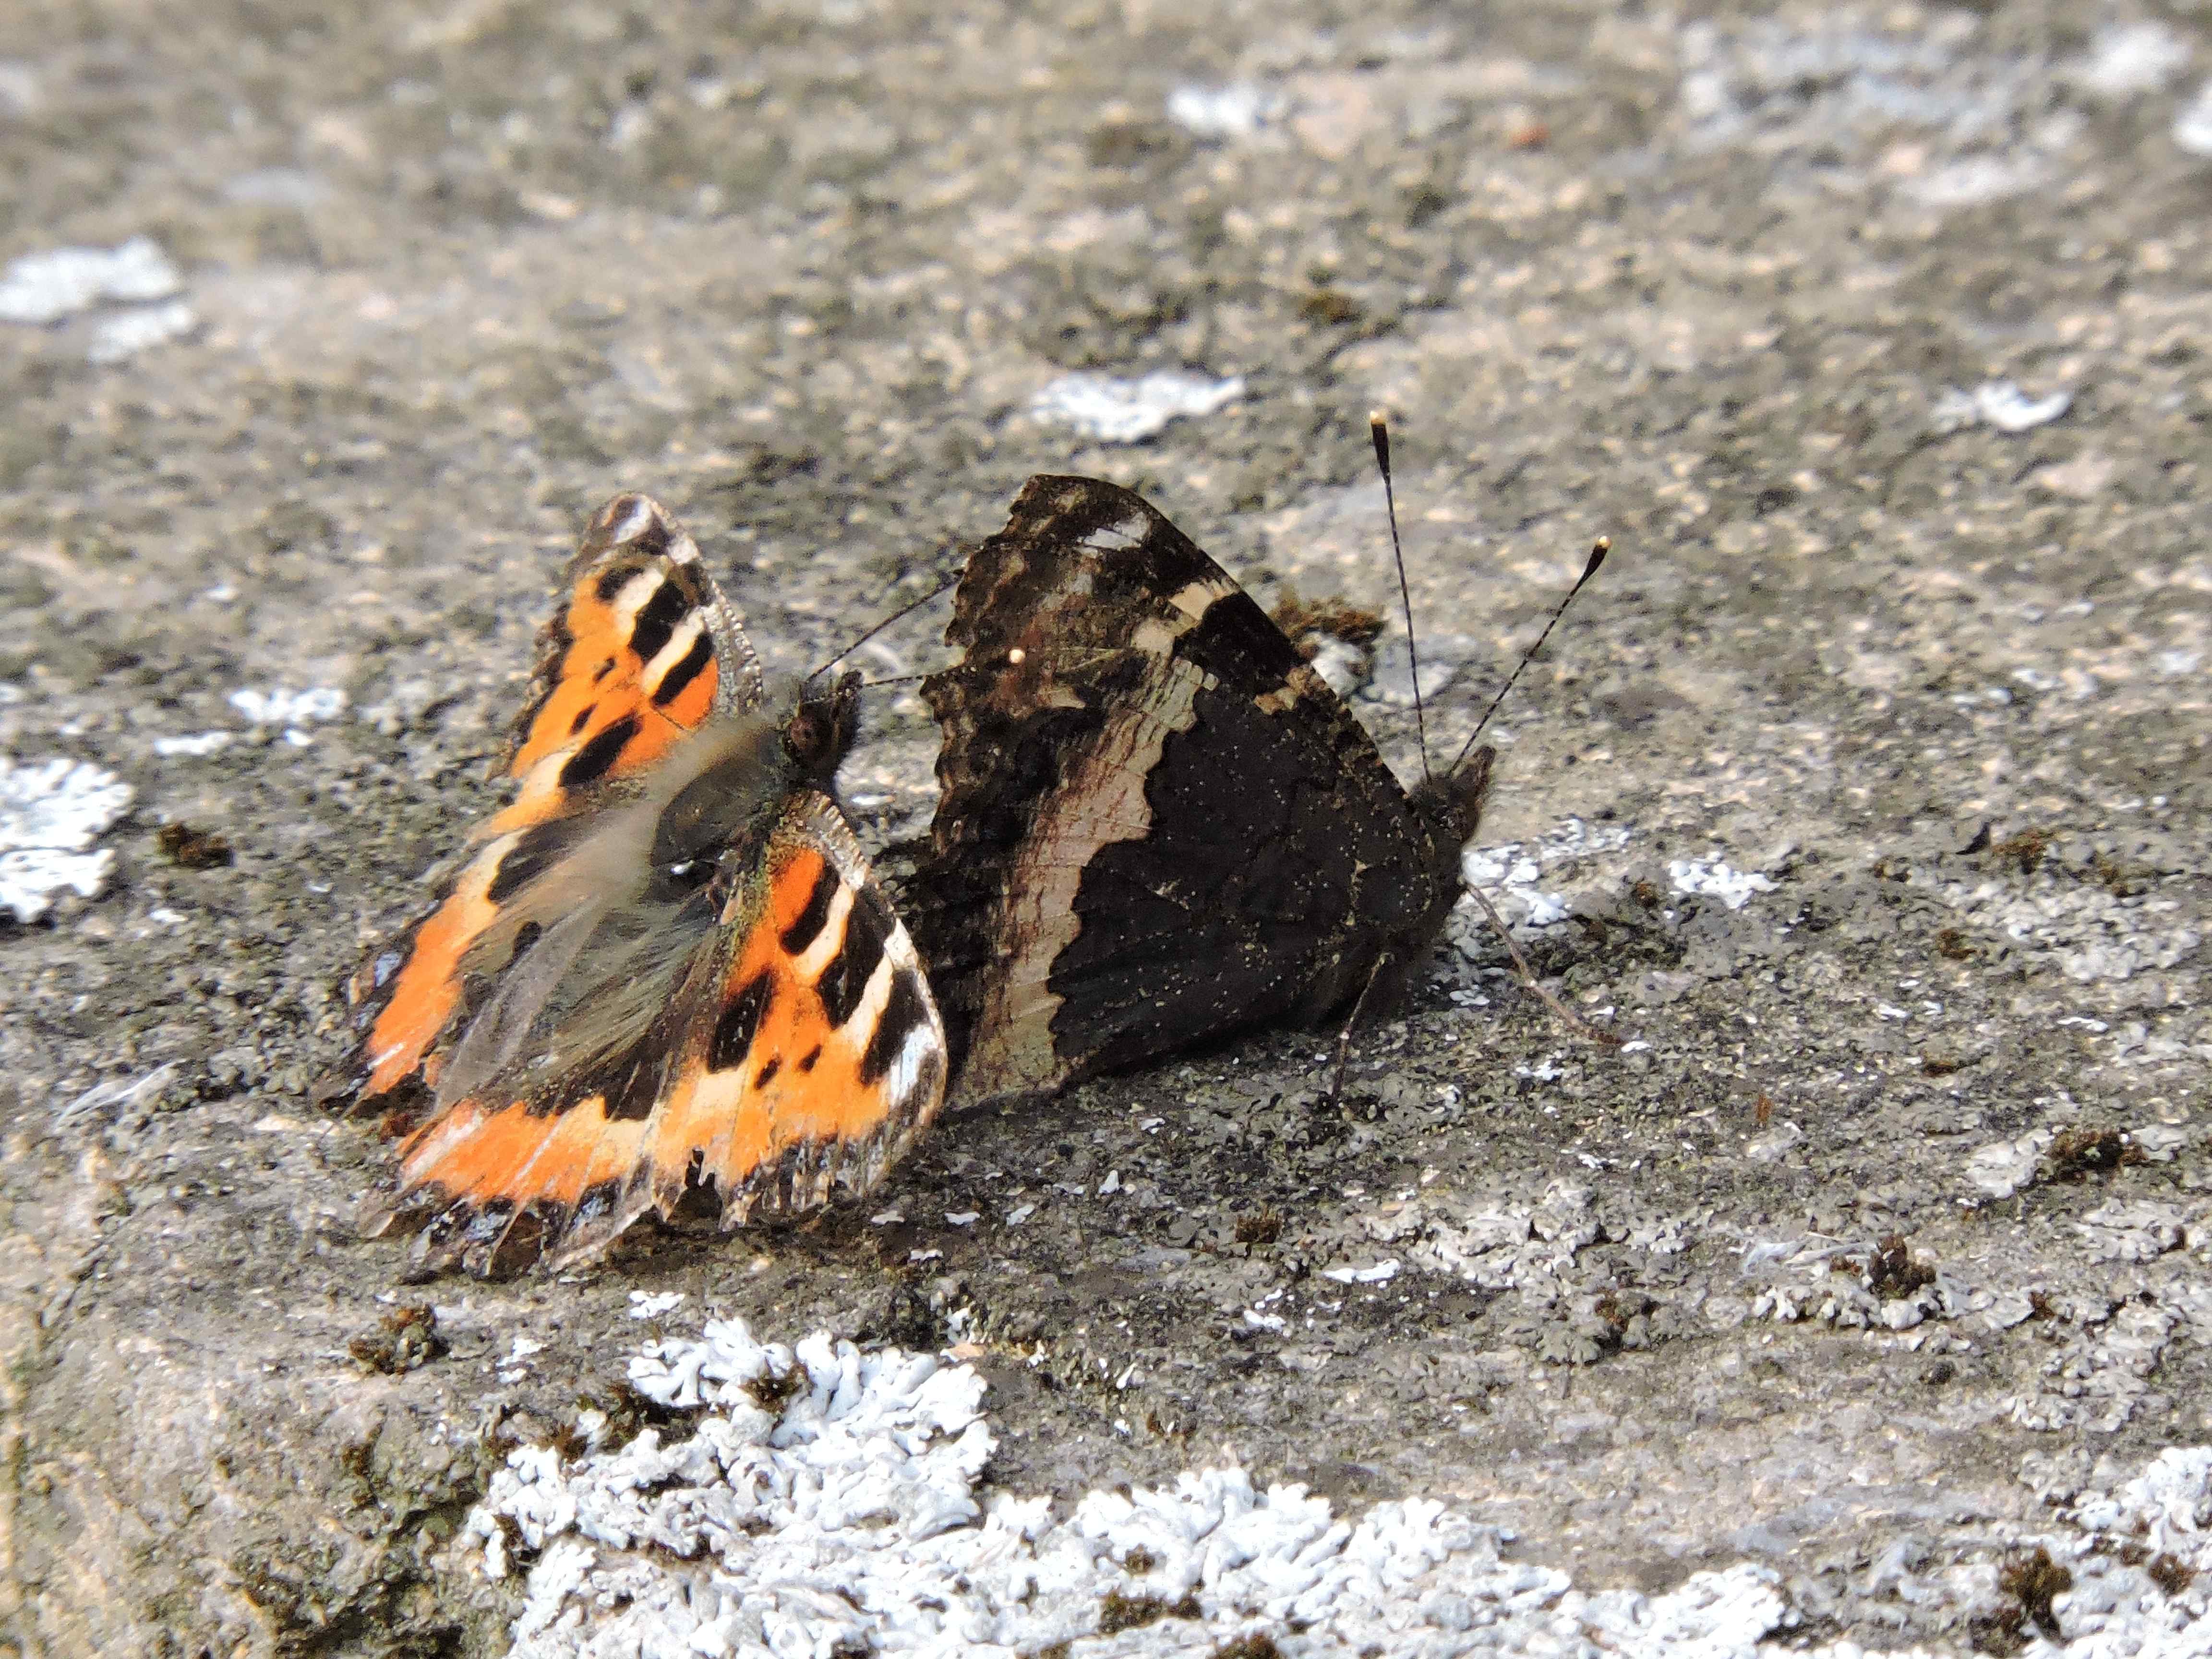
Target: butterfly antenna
{"type": "Point", "coordinates": [1378, 429]}
{"type": "Point", "coordinates": [899, 614]}
{"type": "Point", "coordinates": [1598, 551]}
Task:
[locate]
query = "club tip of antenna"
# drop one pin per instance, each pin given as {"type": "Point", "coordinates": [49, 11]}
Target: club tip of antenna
{"type": "Point", "coordinates": [1599, 549]}
{"type": "Point", "coordinates": [1379, 429]}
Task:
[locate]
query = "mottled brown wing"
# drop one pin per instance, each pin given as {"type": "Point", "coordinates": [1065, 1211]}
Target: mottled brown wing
{"type": "Point", "coordinates": [1157, 825]}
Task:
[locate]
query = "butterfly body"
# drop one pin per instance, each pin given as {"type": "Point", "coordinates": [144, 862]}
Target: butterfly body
{"type": "Point", "coordinates": [1157, 823]}
{"type": "Point", "coordinates": [662, 978]}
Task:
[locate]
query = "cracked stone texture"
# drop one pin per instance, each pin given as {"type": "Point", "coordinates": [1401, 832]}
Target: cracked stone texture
{"type": "Point", "coordinates": [1889, 1224]}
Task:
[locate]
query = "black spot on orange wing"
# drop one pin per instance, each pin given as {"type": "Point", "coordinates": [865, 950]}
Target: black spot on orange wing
{"type": "Point", "coordinates": [807, 925]}
{"type": "Point", "coordinates": [656, 619]}
{"type": "Point", "coordinates": [629, 1085]}
{"type": "Point", "coordinates": [673, 683]}
{"type": "Point", "coordinates": [593, 761]}
{"type": "Point", "coordinates": [740, 1023]}
{"type": "Point", "coordinates": [767, 1072]}
{"type": "Point", "coordinates": [845, 980]}
{"type": "Point", "coordinates": [534, 851]}
{"type": "Point", "coordinates": [902, 1016]}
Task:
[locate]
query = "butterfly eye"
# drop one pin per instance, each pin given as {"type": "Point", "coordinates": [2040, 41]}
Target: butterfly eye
{"type": "Point", "coordinates": [682, 877]}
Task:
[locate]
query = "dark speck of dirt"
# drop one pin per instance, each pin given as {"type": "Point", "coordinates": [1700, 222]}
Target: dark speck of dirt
{"type": "Point", "coordinates": [1118, 1611]}
{"type": "Point", "coordinates": [2079, 1153]}
{"type": "Point", "coordinates": [1329, 305]}
{"type": "Point", "coordinates": [1304, 621]}
{"type": "Point", "coordinates": [1891, 1271]}
{"type": "Point", "coordinates": [189, 848]}
{"type": "Point", "coordinates": [2030, 1582]}
{"type": "Point", "coordinates": [2025, 850]}
{"type": "Point", "coordinates": [1261, 1226]}
{"type": "Point", "coordinates": [407, 1337]}
{"type": "Point", "coordinates": [2170, 1574]}
{"type": "Point", "coordinates": [770, 1390]}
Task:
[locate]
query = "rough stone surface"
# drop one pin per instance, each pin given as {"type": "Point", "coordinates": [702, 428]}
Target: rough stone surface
{"type": "Point", "coordinates": [1880, 1245]}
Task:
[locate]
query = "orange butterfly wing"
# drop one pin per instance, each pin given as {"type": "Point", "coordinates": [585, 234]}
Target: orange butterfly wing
{"type": "Point", "coordinates": [803, 1051]}
{"type": "Point", "coordinates": [644, 650]}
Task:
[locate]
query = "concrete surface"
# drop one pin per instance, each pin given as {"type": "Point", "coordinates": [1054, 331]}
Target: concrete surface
{"type": "Point", "coordinates": [1930, 657]}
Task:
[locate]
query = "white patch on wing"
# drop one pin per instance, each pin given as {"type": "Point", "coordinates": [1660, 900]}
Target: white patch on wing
{"type": "Point", "coordinates": [905, 1079]}
{"type": "Point", "coordinates": [1195, 598]}
{"type": "Point", "coordinates": [636, 593]}
{"type": "Point", "coordinates": [830, 940]}
{"type": "Point", "coordinates": [679, 646]}
{"type": "Point", "coordinates": [1155, 636]}
{"type": "Point", "coordinates": [635, 522]}
{"type": "Point", "coordinates": [1119, 538]}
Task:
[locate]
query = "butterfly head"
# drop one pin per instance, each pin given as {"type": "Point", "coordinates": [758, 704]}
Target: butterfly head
{"type": "Point", "coordinates": [820, 731]}
{"type": "Point", "coordinates": [1452, 804]}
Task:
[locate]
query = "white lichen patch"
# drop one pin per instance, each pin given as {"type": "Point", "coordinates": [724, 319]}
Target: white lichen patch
{"type": "Point", "coordinates": [2098, 1376]}
{"type": "Point", "coordinates": [2135, 1559]}
{"type": "Point", "coordinates": [43, 289]}
{"type": "Point", "coordinates": [50, 813]}
{"type": "Point", "coordinates": [2192, 126]}
{"type": "Point", "coordinates": [1998, 405]}
{"type": "Point", "coordinates": [46, 287]}
{"type": "Point", "coordinates": [1511, 874]}
{"type": "Point", "coordinates": [1235, 111]}
{"type": "Point", "coordinates": [1871, 1285]}
{"type": "Point", "coordinates": [196, 746]}
{"type": "Point", "coordinates": [845, 1520]}
{"type": "Point", "coordinates": [127, 334]}
{"type": "Point", "coordinates": [281, 706]}
{"type": "Point", "coordinates": [1528, 1248]}
{"type": "Point", "coordinates": [2126, 59]}
{"type": "Point", "coordinates": [2003, 1167]}
{"type": "Point", "coordinates": [1714, 878]}
{"type": "Point", "coordinates": [1115, 410]}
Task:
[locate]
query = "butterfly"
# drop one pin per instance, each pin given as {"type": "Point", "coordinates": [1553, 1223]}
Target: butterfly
{"type": "Point", "coordinates": [663, 977]}
{"type": "Point", "coordinates": [1157, 825]}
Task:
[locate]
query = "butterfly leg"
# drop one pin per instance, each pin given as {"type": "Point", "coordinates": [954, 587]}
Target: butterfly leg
{"type": "Point", "coordinates": [1566, 1015]}
{"type": "Point", "coordinates": [1351, 1024]}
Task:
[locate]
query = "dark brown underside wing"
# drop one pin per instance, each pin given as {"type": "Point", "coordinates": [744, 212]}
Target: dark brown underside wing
{"type": "Point", "coordinates": [1157, 825]}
